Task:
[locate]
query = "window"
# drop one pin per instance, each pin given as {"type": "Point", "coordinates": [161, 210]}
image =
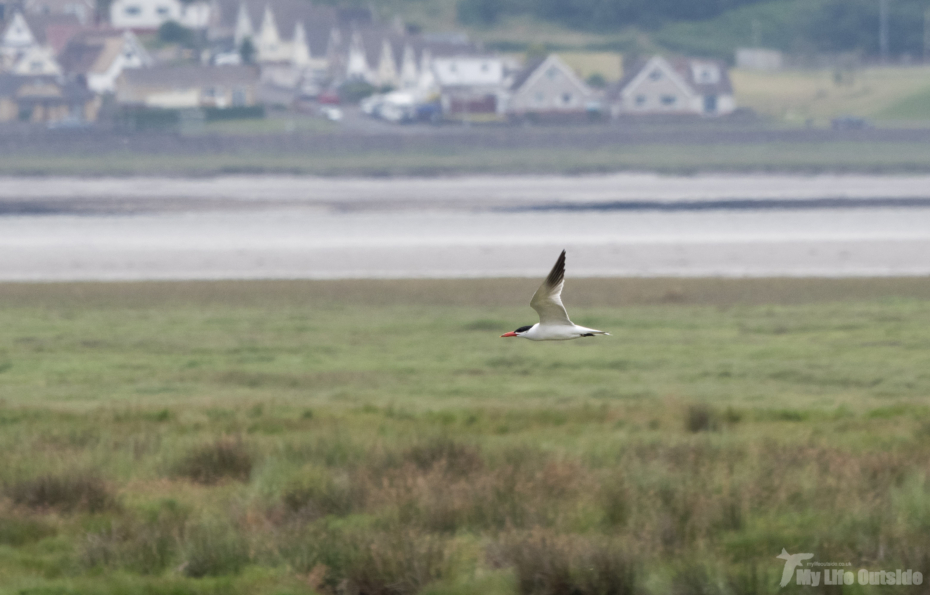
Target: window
{"type": "Point", "coordinates": [552, 72]}
{"type": "Point", "coordinates": [238, 97]}
{"type": "Point", "coordinates": [162, 10]}
{"type": "Point", "coordinates": [35, 66]}
{"type": "Point", "coordinates": [567, 98]}
{"type": "Point", "coordinates": [484, 67]}
{"type": "Point", "coordinates": [453, 68]}
{"type": "Point", "coordinates": [655, 75]}
{"type": "Point", "coordinates": [640, 100]}
{"type": "Point", "coordinates": [669, 100]}
{"type": "Point", "coordinates": [209, 93]}
{"type": "Point", "coordinates": [710, 104]}
{"type": "Point", "coordinates": [540, 97]}
{"type": "Point", "coordinates": [133, 10]}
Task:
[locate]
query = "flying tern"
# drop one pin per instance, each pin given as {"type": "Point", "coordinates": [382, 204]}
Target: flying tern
{"type": "Point", "coordinates": [553, 324]}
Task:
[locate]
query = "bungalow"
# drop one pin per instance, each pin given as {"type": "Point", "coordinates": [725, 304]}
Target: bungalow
{"type": "Point", "coordinates": [548, 87]}
{"type": "Point", "coordinates": [193, 86]}
{"type": "Point", "coordinates": [673, 86]}
{"type": "Point", "coordinates": [45, 99]}
{"type": "Point", "coordinates": [99, 56]}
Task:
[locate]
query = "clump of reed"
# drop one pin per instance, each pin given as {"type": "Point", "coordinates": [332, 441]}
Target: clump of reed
{"type": "Point", "coordinates": [226, 458]}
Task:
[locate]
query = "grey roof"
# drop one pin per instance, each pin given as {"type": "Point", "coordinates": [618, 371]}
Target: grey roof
{"type": "Point", "coordinates": [527, 71]}
{"type": "Point", "coordinates": [40, 23]}
{"type": "Point", "coordinates": [682, 66]}
{"type": "Point", "coordinates": [190, 75]}
{"type": "Point", "coordinates": [71, 92]}
{"type": "Point", "coordinates": [84, 48]}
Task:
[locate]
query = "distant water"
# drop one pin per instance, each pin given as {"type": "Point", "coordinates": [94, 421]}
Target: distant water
{"type": "Point", "coordinates": [203, 229]}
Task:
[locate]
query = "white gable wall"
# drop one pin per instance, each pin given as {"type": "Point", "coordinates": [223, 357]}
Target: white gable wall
{"type": "Point", "coordinates": [132, 55]}
{"type": "Point", "coordinates": [552, 87]}
{"type": "Point", "coordinates": [659, 89]}
{"type": "Point", "coordinates": [357, 63]}
{"type": "Point", "coordinates": [17, 33]}
{"type": "Point", "coordinates": [37, 61]}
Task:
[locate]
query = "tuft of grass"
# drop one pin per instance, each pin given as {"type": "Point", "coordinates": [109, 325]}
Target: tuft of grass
{"type": "Point", "coordinates": [547, 564]}
{"type": "Point", "coordinates": [225, 458]}
{"type": "Point", "coordinates": [398, 563]}
{"type": "Point", "coordinates": [320, 494]}
{"type": "Point", "coordinates": [145, 546]}
{"type": "Point", "coordinates": [69, 492]}
{"type": "Point", "coordinates": [214, 550]}
{"type": "Point", "coordinates": [701, 418]}
{"type": "Point", "coordinates": [454, 457]}
{"type": "Point", "coordinates": [17, 530]}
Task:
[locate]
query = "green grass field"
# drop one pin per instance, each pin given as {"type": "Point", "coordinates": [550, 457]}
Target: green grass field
{"type": "Point", "coordinates": [891, 96]}
{"type": "Point", "coordinates": [379, 437]}
{"type": "Point", "coordinates": [866, 157]}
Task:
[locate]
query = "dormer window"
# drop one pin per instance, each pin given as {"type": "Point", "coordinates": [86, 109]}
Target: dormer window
{"type": "Point", "coordinates": [655, 75]}
{"type": "Point", "coordinates": [706, 74]}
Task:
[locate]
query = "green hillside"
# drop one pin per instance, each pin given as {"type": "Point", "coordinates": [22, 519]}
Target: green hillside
{"type": "Point", "coordinates": [701, 27]}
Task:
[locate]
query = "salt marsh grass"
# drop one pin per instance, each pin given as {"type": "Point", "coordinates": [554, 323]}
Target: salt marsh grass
{"type": "Point", "coordinates": [378, 437]}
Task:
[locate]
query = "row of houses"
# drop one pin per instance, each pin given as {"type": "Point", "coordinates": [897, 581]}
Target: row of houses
{"type": "Point", "coordinates": [254, 51]}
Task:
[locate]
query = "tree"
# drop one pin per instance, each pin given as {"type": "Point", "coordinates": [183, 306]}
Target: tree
{"type": "Point", "coordinates": [247, 51]}
{"type": "Point", "coordinates": [173, 32]}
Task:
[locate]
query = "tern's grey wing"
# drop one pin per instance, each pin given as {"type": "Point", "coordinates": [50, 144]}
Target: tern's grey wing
{"type": "Point", "coordinates": [547, 300]}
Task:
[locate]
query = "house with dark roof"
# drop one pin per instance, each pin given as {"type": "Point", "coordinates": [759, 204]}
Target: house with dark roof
{"type": "Point", "coordinates": [674, 86]}
{"type": "Point", "coordinates": [548, 87]}
{"type": "Point", "coordinates": [99, 56]}
{"type": "Point", "coordinates": [45, 99]}
{"type": "Point", "coordinates": [190, 86]}
{"type": "Point", "coordinates": [28, 44]}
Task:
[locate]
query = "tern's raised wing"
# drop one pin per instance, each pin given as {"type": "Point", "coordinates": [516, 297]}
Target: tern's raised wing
{"type": "Point", "coordinates": [547, 300]}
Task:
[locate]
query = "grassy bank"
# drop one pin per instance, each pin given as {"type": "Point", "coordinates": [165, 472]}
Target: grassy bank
{"type": "Point", "coordinates": [378, 437]}
{"type": "Point", "coordinates": [812, 157]}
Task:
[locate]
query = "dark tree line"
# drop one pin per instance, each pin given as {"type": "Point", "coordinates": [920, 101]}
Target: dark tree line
{"type": "Point", "coordinates": [823, 25]}
{"type": "Point", "coordinates": [598, 14]}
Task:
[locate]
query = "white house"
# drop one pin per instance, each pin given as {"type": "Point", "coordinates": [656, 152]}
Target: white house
{"type": "Point", "coordinates": [676, 86]}
{"type": "Point", "coordinates": [548, 87]}
{"type": "Point", "coordinates": [23, 49]}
